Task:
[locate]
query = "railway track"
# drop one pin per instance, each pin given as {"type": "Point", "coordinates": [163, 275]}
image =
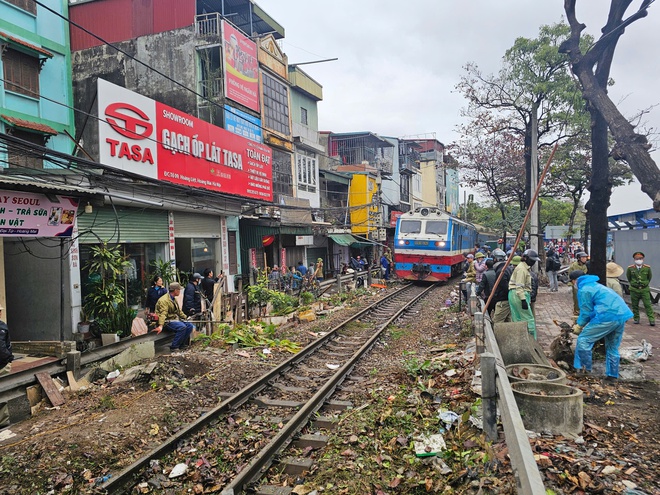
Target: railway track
{"type": "Point", "coordinates": [266, 416]}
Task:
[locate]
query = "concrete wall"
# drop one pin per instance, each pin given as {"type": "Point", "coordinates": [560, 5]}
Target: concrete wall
{"type": "Point", "coordinates": [172, 53]}
{"type": "Point", "coordinates": [37, 289]}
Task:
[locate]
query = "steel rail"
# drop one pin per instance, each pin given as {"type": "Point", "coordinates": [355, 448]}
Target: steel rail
{"type": "Point", "coordinates": [10, 383]}
{"type": "Point", "coordinates": [118, 483]}
{"type": "Point", "coordinates": [264, 458]}
{"type": "Point", "coordinates": [524, 466]}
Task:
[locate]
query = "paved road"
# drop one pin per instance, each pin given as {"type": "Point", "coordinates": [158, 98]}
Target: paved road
{"type": "Point", "coordinates": [559, 306]}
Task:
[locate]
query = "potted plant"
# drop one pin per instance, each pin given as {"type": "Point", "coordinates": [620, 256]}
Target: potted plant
{"type": "Point", "coordinates": [84, 323]}
{"type": "Point", "coordinates": [106, 292]}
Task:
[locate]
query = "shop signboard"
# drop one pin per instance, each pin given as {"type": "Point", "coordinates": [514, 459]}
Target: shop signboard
{"type": "Point", "coordinates": [253, 257]}
{"type": "Point", "coordinates": [171, 236]}
{"type": "Point", "coordinates": [224, 236]}
{"type": "Point", "coordinates": [144, 137]}
{"type": "Point", "coordinates": [243, 124]}
{"type": "Point", "coordinates": [394, 216]}
{"type": "Point", "coordinates": [24, 214]}
{"type": "Point", "coordinates": [241, 67]}
{"type": "Point", "coordinates": [304, 240]}
{"type": "Point", "coordinates": [283, 257]}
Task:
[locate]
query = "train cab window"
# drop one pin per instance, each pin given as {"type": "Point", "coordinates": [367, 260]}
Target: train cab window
{"type": "Point", "coordinates": [410, 227]}
{"type": "Point", "coordinates": [438, 227]}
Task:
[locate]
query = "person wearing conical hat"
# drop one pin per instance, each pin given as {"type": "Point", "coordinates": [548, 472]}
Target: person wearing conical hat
{"type": "Point", "coordinates": [613, 272]}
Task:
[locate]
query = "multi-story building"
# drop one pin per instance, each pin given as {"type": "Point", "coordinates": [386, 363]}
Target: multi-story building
{"type": "Point", "coordinates": [39, 195]}
{"type": "Point", "coordinates": [202, 86]}
{"type": "Point", "coordinates": [425, 163]}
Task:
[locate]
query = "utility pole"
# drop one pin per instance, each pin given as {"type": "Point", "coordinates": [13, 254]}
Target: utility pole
{"type": "Point", "coordinates": [534, 173]}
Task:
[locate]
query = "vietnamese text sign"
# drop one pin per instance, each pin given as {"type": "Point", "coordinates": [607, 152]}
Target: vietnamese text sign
{"type": "Point", "coordinates": [24, 214]}
{"type": "Point", "coordinates": [241, 67]}
{"type": "Point", "coordinates": [243, 124]}
{"type": "Point", "coordinates": [145, 137]}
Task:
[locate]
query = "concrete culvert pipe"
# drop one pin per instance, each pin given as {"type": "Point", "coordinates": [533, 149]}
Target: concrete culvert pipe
{"type": "Point", "coordinates": [550, 407]}
{"type": "Point", "coordinates": [523, 372]}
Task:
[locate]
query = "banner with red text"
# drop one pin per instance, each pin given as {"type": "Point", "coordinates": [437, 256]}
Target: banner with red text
{"type": "Point", "coordinates": [147, 138]}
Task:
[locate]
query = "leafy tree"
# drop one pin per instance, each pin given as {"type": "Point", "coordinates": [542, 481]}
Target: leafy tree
{"type": "Point", "coordinates": [554, 212]}
{"type": "Point", "coordinates": [533, 85]}
{"type": "Point", "coordinates": [592, 68]}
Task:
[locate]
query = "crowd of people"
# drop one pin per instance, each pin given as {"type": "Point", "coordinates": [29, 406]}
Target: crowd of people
{"type": "Point", "coordinates": [600, 311]}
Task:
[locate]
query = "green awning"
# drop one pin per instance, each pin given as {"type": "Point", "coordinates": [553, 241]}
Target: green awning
{"type": "Point", "coordinates": [343, 239]}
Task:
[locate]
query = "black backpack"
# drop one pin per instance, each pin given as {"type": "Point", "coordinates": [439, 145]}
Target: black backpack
{"type": "Point", "coordinates": [502, 292]}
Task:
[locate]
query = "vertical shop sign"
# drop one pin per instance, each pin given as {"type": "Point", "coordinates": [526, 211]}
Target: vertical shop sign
{"type": "Point", "coordinates": [283, 257]}
{"type": "Point", "coordinates": [253, 258]}
{"type": "Point", "coordinates": [170, 221]}
{"type": "Point", "coordinates": [224, 236]}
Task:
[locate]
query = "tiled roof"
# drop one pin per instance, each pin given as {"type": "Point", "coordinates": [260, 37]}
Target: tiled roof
{"type": "Point", "coordinates": [26, 124]}
{"type": "Point", "coordinates": [25, 44]}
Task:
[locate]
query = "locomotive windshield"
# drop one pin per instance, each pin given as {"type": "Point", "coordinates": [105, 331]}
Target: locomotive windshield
{"type": "Point", "coordinates": [438, 227]}
{"type": "Point", "coordinates": [410, 227]}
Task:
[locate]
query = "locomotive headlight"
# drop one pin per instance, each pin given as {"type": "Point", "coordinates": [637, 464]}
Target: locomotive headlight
{"type": "Point", "coordinates": [401, 242]}
{"type": "Point", "coordinates": [440, 243]}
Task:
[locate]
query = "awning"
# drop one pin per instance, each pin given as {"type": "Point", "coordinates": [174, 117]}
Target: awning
{"type": "Point", "coordinates": [28, 125]}
{"type": "Point", "coordinates": [19, 43]}
{"type": "Point", "coordinates": [362, 242]}
{"type": "Point", "coordinates": [343, 239]}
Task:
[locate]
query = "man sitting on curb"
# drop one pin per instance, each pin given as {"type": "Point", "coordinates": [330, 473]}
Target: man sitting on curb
{"type": "Point", "coordinates": [171, 317]}
{"type": "Point", "coordinates": [603, 315]}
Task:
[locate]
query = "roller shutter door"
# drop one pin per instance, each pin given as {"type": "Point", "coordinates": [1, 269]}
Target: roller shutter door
{"type": "Point", "coordinates": [122, 225]}
{"type": "Point", "coordinates": [196, 225]}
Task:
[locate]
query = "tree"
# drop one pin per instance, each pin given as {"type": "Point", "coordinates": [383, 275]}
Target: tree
{"type": "Point", "coordinates": [493, 164]}
{"type": "Point", "coordinates": [533, 86]}
{"type": "Point", "coordinates": [570, 173]}
{"type": "Point", "coordinates": [592, 68]}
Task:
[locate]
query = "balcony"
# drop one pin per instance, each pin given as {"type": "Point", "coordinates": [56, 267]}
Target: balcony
{"type": "Point", "coordinates": [365, 151]}
{"type": "Point", "coordinates": [208, 24]}
{"type": "Point", "coordinates": [408, 167]}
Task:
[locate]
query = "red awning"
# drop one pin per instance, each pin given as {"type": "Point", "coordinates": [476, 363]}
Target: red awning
{"type": "Point", "coordinates": [30, 126]}
{"type": "Point", "coordinates": [25, 44]}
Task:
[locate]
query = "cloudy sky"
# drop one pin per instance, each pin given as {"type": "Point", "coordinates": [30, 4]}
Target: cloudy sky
{"type": "Point", "coordinates": [399, 62]}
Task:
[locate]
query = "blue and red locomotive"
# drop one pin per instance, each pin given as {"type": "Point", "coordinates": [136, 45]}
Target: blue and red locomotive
{"type": "Point", "coordinates": [430, 244]}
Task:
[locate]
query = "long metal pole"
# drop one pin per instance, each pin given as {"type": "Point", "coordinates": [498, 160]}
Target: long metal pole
{"type": "Point", "coordinates": [524, 223]}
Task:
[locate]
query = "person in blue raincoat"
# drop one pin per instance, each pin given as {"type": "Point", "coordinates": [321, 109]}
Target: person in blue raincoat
{"type": "Point", "coordinates": [603, 315]}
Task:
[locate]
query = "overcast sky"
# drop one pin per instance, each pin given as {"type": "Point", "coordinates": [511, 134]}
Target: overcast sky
{"type": "Point", "coordinates": [399, 62]}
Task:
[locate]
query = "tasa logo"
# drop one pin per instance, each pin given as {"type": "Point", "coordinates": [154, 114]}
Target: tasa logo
{"type": "Point", "coordinates": [120, 119]}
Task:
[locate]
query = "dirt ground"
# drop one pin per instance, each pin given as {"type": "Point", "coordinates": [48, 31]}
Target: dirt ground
{"type": "Point", "coordinates": [422, 369]}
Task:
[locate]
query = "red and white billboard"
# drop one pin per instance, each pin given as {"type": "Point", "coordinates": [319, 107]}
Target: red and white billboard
{"type": "Point", "coordinates": [241, 67]}
{"type": "Point", "coordinates": [145, 137]}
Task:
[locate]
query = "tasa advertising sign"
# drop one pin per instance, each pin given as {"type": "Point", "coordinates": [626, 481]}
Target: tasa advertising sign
{"type": "Point", "coordinates": [145, 137]}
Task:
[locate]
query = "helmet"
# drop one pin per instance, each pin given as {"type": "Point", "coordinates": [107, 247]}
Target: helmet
{"type": "Point", "coordinates": [498, 254]}
{"type": "Point", "coordinates": [575, 274]}
{"type": "Point", "coordinates": [581, 254]}
{"type": "Point", "coordinates": [531, 255]}
{"type": "Point", "coordinates": [480, 255]}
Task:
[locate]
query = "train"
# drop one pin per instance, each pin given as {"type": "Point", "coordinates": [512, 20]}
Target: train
{"type": "Point", "coordinates": [430, 244]}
